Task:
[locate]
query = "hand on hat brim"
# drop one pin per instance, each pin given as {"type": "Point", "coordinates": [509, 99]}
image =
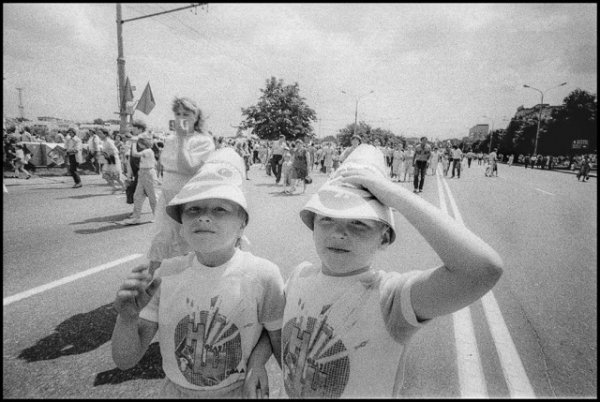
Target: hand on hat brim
{"type": "Point", "coordinates": [380, 187]}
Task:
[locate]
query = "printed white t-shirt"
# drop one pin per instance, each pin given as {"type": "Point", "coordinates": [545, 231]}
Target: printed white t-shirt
{"type": "Point", "coordinates": [346, 337]}
{"type": "Point", "coordinates": [210, 318]}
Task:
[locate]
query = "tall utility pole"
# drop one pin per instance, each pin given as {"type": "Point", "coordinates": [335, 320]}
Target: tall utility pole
{"type": "Point", "coordinates": [121, 58]}
{"type": "Point", "coordinates": [121, 73]}
{"type": "Point", "coordinates": [356, 108]}
{"type": "Point", "coordinates": [21, 107]}
{"type": "Point", "coordinates": [537, 133]}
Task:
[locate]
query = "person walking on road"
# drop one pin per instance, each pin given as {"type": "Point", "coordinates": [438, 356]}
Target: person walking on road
{"type": "Point", "coordinates": [470, 156]}
{"type": "Point", "coordinates": [408, 162]}
{"type": "Point", "coordinates": [456, 161]}
{"type": "Point", "coordinates": [279, 147]}
{"type": "Point", "coordinates": [94, 150]}
{"type": "Point", "coordinates": [494, 161]}
{"type": "Point", "coordinates": [300, 159]}
{"type": "Point", "coordinates": [584, 169]}
{"type": "Point", "coordinates": [20, 161]}
{"type": "Point", "coordinates": [421, 160]}
{"type": "Point", "coordinates": [397, 160]}
{"type": "Point", "coordinates": [111, 169]}
{"type": "Point", "coordinates": [74, 148]}
{"type": "Point", "coordinates": [511, 158]}
{"type": "Point", "coordinates": [146, 181]}
{"type": "Point", "coordinates": [435, 158]}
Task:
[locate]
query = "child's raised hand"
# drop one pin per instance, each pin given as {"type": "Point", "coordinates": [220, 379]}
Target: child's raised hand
{"type": "Point", "coordinates": [381, 187]}
{"type": "Point", "coordinates": [135, 292]}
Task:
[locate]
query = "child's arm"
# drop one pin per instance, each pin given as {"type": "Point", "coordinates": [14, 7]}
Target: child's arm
{"type": "Point", "coordinates": [190, 160]}
{"type": "Point", "coordinates": [471, 267]}
{"type": "Point", "coordinates": [132, 335]}
{"type": "Point", "coordinates": [256, 383]}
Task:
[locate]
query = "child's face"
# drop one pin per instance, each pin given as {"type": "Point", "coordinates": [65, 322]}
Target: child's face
{"type": "Point", "coordinates": [212, 225]}
{"type": "Point", "coordinates": [347, 245]}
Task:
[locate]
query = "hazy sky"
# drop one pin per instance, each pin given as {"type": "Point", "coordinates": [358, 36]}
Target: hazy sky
{"type": "Point", "coordinates": [435, 69]}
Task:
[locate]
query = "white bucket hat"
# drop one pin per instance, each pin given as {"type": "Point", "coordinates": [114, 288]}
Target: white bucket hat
{"type": "Point", "coordinates": [344, 200]}
{"type": "Point", "coordinates": [221, 176]}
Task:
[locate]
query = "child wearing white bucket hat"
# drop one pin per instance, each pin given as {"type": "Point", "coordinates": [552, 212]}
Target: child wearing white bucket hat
{"type": "Point", "coordinates": [209, 307]}
{"type": "Point", "coordinates": [346, 324]}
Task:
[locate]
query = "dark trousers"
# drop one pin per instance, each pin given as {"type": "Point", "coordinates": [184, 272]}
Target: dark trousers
{"type": "Point", "coordinates": [420, 169]}
{"type": "Point", "coordinates": [455, 166]}
{"type": "Point", "coordinates": [73, 168]}
{"type": "Point", "coordinates": [276, 167]}
{"type": "Point", "coordinates": [469, 161]}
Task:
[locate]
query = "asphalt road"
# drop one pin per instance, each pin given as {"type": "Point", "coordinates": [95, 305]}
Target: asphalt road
{"type": "Point", "coordinates": [541, 341]}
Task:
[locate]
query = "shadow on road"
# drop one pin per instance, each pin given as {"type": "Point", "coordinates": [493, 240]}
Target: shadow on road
{"type": "Point", "coordinates": [110, 218]}
{"type": "Point", "coordinates": [85, 332]}
{"type": "Point", "coordinates": [83, 196]}
{"type": "Point", "coordinates": [80, 333]}
{"type": "Point", "coordinates": [114, 226]}
{"type": "Point", "coordinates": [148, 368]}
{"type": "Point", "coordinates": [282, 194]}
{"type": "Point", "coordinates": [267, 185]}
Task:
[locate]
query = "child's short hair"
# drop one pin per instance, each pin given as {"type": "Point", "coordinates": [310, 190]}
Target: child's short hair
{"type": "Point", "coordinates": [188, 104]}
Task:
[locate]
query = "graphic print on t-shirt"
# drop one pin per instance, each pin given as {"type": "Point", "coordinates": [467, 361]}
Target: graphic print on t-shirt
{"type": "Point", "coordinates": [207, 345]}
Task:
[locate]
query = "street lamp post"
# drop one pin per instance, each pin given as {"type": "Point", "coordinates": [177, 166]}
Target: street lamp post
{"type": "Point", "coordinates": [356, 107]}
{"type": "Point", "coordinates": [492, 130]}
{"type": "Point", "coordinates": [537, 133]}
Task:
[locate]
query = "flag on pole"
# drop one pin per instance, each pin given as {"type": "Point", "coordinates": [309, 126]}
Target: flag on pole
{"type": "Point", "coordinates": [146, 102]}
{"type": "Point", "coordinates": [128, 93]}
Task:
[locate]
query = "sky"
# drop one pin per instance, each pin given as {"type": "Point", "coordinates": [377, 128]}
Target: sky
{"type": "Point", "coordinates": [434, 69]}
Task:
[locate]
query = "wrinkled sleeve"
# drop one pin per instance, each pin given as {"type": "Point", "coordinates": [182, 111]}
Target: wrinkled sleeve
{"type": "Point", "coordinates": [199, 149]}
{"type": "Point", "coordinates": [396, 306]}
{"type": "Point", "coordinates": [272, 301]}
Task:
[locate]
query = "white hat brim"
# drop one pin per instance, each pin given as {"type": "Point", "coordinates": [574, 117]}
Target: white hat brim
{"type": "Point", "coordinates": [344, 202]}
{"type": "Point", "coordinates": [204, 191]}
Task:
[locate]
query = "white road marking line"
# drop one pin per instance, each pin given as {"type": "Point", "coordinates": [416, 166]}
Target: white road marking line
{"type": "Point", "coordinates": [19, 296]}
{"type": "Point", "coordinates": [470, 371]}
{"type": "Point", "coordinates": [539, 189]}
{"type": "Point", "coordinates": [510, 361]}
{"type": "Point", "coordinates": [512, 367]}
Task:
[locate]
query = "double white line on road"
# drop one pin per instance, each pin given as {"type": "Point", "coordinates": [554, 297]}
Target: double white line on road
{"type": "Point", "coordinates": [20, 296]}
{"type": "Point", "coordinates": [470, 371]}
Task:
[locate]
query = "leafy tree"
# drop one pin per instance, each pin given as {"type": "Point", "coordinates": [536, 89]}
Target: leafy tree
{"type": "Point", "coordinates": [99, 121]}
{"type": "Point", "coordinates": [330, 138]}
{"type": "Point", "coordinates": [575, 121]}
{"type": "Point", "coordinates": [368, 134]}
{"type": "Point", "coordinates": [280, 110]}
